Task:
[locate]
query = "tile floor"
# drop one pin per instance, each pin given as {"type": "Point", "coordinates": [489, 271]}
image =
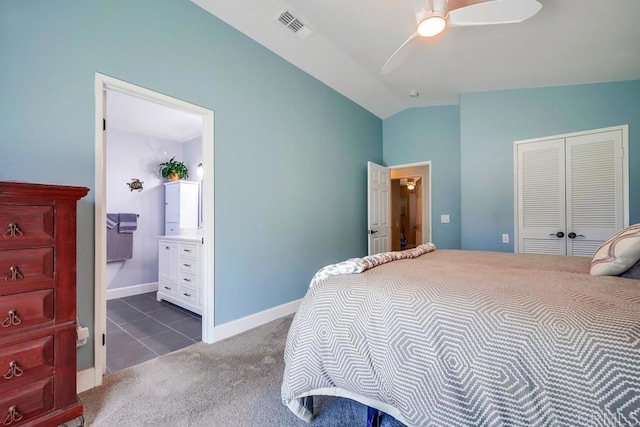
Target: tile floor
{"type": "Point", "coordinates": [140, 328]}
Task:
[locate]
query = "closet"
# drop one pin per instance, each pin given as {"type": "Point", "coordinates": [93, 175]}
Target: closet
{"type": "Point", "coordinates": [571, 191]}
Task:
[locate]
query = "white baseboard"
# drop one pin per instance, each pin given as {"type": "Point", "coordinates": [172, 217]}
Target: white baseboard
{"type": "Point", "coordinates": [238, 326]}
{"type": "Point", "coordinates": [85, 380]}
{"type": "Point", "coordinates": [128, 291]}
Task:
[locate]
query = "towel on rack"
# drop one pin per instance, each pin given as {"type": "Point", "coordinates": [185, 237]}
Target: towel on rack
{"type": "Point", "coordinates": [112, 220]}
{"type": "Point", "coordinates": [128, 223]}
{"type": "Point", "coordinates": [119, 245]}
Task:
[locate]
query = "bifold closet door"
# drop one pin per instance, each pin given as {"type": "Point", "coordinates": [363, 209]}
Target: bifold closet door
{"type": "Point", "coordinates": [570, 193]}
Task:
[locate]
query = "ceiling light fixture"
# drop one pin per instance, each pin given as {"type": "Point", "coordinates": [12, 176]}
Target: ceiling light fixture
{"type": "Point", "coordinates": [411, 186]}
{"type": "Point", "coordinates": [432, 25]}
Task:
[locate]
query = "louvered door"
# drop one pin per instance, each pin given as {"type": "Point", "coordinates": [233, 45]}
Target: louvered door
{"type": "Point", "coordinates": [594, 190]}
{"type": "Point", "coordinates": [570, 193]}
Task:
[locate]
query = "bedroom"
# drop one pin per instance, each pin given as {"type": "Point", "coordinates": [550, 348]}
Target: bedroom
{"type": "Point", "coordinates": [51, 52]}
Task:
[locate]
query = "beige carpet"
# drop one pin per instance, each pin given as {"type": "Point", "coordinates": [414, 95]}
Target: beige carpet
{"type": "Point", "coordinates": [235, 382]}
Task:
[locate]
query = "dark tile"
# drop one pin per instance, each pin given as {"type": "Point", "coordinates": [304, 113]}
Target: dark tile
{"type": "Point", "coordinates": [134, 357]}
{"type": "Point", "coordinates": [144, 327]}
{"type": "Point", "coordinates": [125, 314]}
{"type": "Point", "coordinates": [191, 327]}
{"type": "Point", "coordinates": [144, 304]}
{"type": "Point", "coordinates": [166, 342]}
{"type": "Point", "coordinates": [169, 315]}
{"type": "Point", "coordinates": [115, 304]}
{"type": "Point", "coordinates": [121, 342]}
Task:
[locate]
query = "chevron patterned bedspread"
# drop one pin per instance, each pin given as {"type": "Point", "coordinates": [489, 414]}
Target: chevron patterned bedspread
{"type": "Point", "coordinates": [468, 338]}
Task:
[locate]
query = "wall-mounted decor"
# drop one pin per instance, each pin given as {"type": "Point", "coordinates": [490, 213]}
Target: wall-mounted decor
{"type": "Point", "coordinates": [135, 184]}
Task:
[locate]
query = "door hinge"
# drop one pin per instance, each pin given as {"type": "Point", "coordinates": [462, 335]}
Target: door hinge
{"type": "Point", "coordinates": [203, 240]}
{"type": "Point", "coordinates": [104, 339]}
{"type": "Point", "coordinates": [104, 124]}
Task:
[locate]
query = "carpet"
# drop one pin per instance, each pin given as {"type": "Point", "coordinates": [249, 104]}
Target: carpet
{"type": "Point", "coordinates": [234, 382]}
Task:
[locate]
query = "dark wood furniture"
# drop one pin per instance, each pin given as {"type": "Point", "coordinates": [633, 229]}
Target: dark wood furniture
{"type": "Point", "coordinates": [38, 304]}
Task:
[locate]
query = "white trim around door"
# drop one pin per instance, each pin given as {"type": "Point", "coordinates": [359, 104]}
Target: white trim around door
{"type": "Point", "coordinates": [102, 83]}
{"type": "Point", "coordinates": [426, 225]}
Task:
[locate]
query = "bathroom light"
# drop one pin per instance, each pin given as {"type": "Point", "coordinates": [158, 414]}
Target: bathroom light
{"type": "Point", "coordinates": [432, 25]}
{"type": "Point", "coordinates": [411, 186]}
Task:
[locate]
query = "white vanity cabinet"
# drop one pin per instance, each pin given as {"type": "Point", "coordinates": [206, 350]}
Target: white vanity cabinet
{"type": "Point", "coordinates": [179, 271]}
{"type": "Point", "coordinates": [181, 207]}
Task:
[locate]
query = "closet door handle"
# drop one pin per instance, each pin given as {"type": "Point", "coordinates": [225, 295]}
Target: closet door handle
{"type": "Point", "coordinates": [559, 234]}
{"type": "Point", "coordinates": [573, 235]}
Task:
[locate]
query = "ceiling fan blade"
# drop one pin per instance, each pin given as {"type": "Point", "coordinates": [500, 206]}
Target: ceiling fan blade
{"type": "Point", "coordinates": [395, 60]}
{"type": "Point", "coordinates": [494, 12]}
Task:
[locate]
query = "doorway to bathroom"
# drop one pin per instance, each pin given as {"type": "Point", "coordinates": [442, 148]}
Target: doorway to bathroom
{"type": "Point", "coordinates": [140, 130]}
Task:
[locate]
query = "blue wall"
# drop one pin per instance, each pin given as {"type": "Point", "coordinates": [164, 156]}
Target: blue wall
{"type": "Point", "coordinates": [290, 171]}
{"type": "Point", "coordinates": [431, 133]}
{"type": "Point", "coordinates": [491, 121]}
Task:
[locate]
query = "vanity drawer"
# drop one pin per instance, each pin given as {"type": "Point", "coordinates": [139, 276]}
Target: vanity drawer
{"type": "Point", "coordinates": [168, 288]}
{"type": "Point", "coordinates": [189, 280]}
{"type": "Point", "coordinates": [28, 359]}
{"type": "Point", "coordinates": [21, 311]}
{"type": "Point", "coordinates": [189, 294]}
{"type": "Point", "coordinates": [19, 406]}
{"type": "Point", "coordinates": [188, 251]}
{"type": "Point", "coordinates": [25, 226]}
{"type": "Point", "coordinates": [189, 266]}
{"type": "Point", "coordinates": [24, 270]}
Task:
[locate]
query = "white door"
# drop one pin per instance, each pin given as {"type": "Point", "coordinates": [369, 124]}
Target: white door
{"type": "Point", "coordinates": [419, 219]}
{"type": "Point", "coordinates": [541, 197]}
{"type": "Point", "coordinates": [594, 190]}
{"type": "Point", "coordinates": [379, 208]}
{"type": "Point", "coordinates": [570, 193]}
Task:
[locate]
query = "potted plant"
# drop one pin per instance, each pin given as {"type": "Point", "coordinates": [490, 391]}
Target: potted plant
{"type": "Point", "coordinates": [173, 170]}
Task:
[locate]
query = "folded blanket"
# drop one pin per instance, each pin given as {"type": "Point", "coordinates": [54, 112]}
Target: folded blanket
{"type": "Point", "coordinates": [358, 265]}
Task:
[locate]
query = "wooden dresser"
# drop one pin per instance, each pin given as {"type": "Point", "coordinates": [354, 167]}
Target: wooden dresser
{"type": "Point", "coordinates": [38, 304]}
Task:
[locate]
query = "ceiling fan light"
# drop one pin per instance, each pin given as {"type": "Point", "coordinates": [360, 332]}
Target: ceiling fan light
{"type": "Point", "coordinates": [432, 25]}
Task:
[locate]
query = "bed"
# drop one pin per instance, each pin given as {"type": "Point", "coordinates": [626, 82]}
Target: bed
{"type": "Point", "coordinates": [469, 338]}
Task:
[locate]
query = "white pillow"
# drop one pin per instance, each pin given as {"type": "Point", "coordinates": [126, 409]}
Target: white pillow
{"type": "Point", "coordinates": [618, 254]}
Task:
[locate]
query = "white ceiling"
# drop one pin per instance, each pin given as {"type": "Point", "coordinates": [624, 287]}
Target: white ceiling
{"type": "Point", "coordinates": [567, 42]}
{"type": "Point", "coordinates": [143, 117]}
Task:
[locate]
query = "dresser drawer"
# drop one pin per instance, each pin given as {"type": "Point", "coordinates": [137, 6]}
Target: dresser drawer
{"type": "Point", "coordinates": [26, 226]}
{"type": "Point", "coordinates": [189, 280]}
{"type": "Point", "coordinates": [26, 360]}
{"type": "Point", "coordinates": [21, 311]}
{"type": "Point", "coordinates": [24, 270]}
{"type": "Point", "coordinates": [19, 406]}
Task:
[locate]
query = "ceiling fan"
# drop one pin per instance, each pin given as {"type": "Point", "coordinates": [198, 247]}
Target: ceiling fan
{"type": "Point", "coordinates": [460, 13]}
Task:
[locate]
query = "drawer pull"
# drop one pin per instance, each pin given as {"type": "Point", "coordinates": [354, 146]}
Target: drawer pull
{"type": "Point", "coordinates": [167, 287]}
{"type": "Point", "coordinates": [186, 265]}
{"type": "Point", "coordinates": [14, 371]}
{"type": "Point", "coordinates": [12, 319]}
{"type": "Point", "coordinates": [186, 279]}
{"type": "Point", "coordinates": [12, 416]}
{"type": "Point", "coordinates": [13, 231]}
{"type": "Point", "coordinates": [14, 274]}
{"type": "Point", "coordinates": [186, 294]}
{"type": "Point", "coordinates": [187, 250]}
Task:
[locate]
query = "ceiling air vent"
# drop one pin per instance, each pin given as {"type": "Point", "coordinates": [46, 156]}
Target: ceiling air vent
{"type": "Point", "coordinates": [289, 20]}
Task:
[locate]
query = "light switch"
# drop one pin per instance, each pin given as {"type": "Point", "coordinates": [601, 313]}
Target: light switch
{"type": "Point", "coordinates": [505, 238]}
{"type": "Point", "coordinates": [444, 218]}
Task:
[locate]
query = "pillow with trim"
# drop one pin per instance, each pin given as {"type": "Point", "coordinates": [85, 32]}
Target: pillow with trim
{"type": "Point", "coordinates": [618, 254]}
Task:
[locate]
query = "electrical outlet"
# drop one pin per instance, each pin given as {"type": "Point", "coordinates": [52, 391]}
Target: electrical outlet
{"type": "Point", "coordinates": [505, 238]}
{"type": "Point", "coordinates": [444, 218]}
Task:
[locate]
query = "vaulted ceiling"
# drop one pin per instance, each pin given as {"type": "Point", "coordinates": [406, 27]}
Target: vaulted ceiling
{"type": "Point", "coordinates": [567, 42]}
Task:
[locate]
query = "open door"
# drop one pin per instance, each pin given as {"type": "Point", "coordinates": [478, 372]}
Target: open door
{"type": "Point", "coordinates": [379, 208]}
